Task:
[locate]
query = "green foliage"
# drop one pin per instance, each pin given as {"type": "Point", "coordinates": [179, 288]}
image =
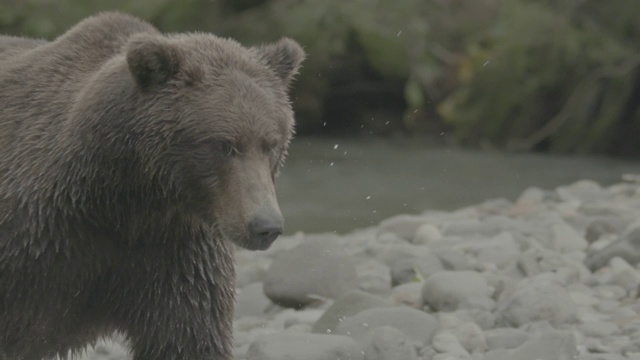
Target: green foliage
{"type": "Point", "coordinates": [559, 75]}
{"type": "Point", "coordinates": [556, 79]}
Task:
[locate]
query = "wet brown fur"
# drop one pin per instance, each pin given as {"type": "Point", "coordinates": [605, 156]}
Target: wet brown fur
{"type": "Point", "coordinates": [130, 161]}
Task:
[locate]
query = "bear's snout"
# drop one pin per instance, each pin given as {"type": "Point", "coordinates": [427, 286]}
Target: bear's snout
{"type": "Point", "coordinates": [265, 227]}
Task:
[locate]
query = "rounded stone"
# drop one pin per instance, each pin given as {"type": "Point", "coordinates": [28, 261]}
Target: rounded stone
{"type": "Point", "coordinates": [374, 277]}
{"type": "Point", "coordinates": [451, 290]}
{"type": "Point", "coordinates": [471, 337]}
{"type": "Point", "coordinates": [314, 269]}
{"type": "Point", "coordinates": [404, 226]}
{"type": "Point", "coordinates": [281, 346]}
{"type": "Point", "coordinates": [409, 294]}
{"type": "Point", "coordinates": [386, 342]}
{"type": "Point", "coordinates": [417, 325]}
{"type": "Point", "coordinates": [347, 305]}
{"type": "Point", "coordinates": [556, 345]}
{"type": "Point", "coordinates": [427, 234]}
{"type": "Point", "coordinates": [538, 299]}
{"type": "Point", "coordinates": [251, 301]}
{"type": "Point", "coordinates": [505, 338]}
{"type": "Point", "coordinates": [414, 268]}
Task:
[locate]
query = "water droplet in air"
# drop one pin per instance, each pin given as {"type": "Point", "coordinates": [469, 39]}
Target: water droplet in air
{"type": "Point", "coordinates": [368, 197]}
{"type": "Point", "coordinates": [335, 146]}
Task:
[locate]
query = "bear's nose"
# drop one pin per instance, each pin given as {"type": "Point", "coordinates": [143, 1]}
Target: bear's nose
{"type": "Point", "coordinates": [265, 229]}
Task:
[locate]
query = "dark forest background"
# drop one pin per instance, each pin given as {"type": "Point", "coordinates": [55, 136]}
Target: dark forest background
{"type": "Point", "coordinates": [559, 76]}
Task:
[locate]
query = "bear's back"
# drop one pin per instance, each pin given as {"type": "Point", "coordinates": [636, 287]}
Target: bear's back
{"type": "Point", "coordinates": [86, 46]}
{"type": "Point", "coordinates": [39, 80]}
{"type": "Point", "coordinates": [12, 47]}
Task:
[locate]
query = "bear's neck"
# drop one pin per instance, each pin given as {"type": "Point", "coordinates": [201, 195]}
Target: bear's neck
{"type": "Point", "coordinates": [89, 191]}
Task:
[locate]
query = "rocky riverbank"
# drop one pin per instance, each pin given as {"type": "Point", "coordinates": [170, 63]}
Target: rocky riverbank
{"type": "Point", "coordinates": [552, 275]}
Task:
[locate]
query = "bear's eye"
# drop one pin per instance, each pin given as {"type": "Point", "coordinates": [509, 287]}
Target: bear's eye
{"type": "Point", "coordinates": [270, 147]}
{"type": "Point", "coordinates": [225, 148]}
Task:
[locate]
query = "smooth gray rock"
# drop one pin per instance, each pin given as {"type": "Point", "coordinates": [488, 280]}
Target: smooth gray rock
{"type": "Point", "coordinates": [284, 346]}
{"type": "Point", "coordinates": [471, 337]}
{"type": "Point", "coordinates": [451, 290]}
{"type": "Point", "coordinates": [251, 301]}
{"type": "Point", "coordinates": [374, 277]}
{"type": "Point", "coordinates": [483, 318]}
{"type": "Point", "coordinates": [538, 260]}
{"type": "Point", "coordinates": [390, 254]}
{"type": "Point", "coordinates": [555, 345]}
{"type": "Point", "coordinates": [497, 354]}
{"type": "Point", "coordinates": [626, 247]}
{"type": "Point", "coordinates": [567, 239]}
{"type": "Point", "coordinates": [414, 268]}
{"type": "Point", "coordinates": [604, 225]}
{"type": "Point", "coordinates": [598, 329]}
{"type": "Point", "coordinates": [427, 234]}
{"type": "Point", "coordinates": [449, 346]}
{"type": "Point", "coordinates": [500, 250]}
{"type": "Point", "coordinates": [250, 268]}
{"type": "Point", "coordinates": [537, 299]}
{"type": "Point", "coordinates": [417, 325]}
{"type": "Point", "coordinates": [347, 305]}
{"type": "Point", "coordinates": [291, 317]}
{"type": "Point", "coordinates": [582, 190]}
{"type": "Point", "coordinates": [454, 259]}
{"type": "Point", "coordinates": [386, 342]}
{"type": "Point", "coordinates": [624, 275]}
{"type": "Point", "coordinates": [470, 228]}
{"type": "Point", "coordinates": [538, 327]}
{"type": "Point", "coordinates": [609, 292]}
{"type": "Point", "coordinates": [505, 338]}
{"type": "Point", "coordinates": [632, 347]}
{"type": "Point", "coordinates": [602, 357]}
{"type": "Point", "coordinates": [494, 206]}
{"type": "Point", "coordinates": [532, 195]}
{"type": "Point", "coordinates": [409, 294]}
{"type": "Point", "coordinates": [316, 268]}
{"type": "Point", "coordinates": [404, 226]}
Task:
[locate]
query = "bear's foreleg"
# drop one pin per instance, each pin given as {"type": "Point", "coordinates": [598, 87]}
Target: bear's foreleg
{"type": "Point", "coordinates": [185, 310]}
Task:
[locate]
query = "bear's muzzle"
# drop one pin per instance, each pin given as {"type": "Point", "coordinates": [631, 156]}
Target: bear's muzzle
{"type": "Point", "coordinates": [265, 227]}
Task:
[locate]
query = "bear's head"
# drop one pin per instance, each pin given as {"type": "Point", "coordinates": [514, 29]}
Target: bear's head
{"type": "Point", "coordinates": [221, 121]}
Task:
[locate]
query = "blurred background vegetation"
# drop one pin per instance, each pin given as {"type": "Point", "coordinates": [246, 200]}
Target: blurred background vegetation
{"type": "Point", "coordinates": [558, 76]}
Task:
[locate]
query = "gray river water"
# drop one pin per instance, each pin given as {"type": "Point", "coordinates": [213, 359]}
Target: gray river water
{"type": "Point", "coordinates": [340, 185]}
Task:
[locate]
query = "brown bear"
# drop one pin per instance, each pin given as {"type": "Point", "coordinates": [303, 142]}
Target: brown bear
{"type": "Point", "coordinates": [131, 161]}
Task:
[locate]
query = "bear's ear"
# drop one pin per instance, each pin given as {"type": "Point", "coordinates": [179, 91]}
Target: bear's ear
{"type": "Point", "coordinates": [152, 60]}
{"type": "Point", "coordinates": [283, 57]}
